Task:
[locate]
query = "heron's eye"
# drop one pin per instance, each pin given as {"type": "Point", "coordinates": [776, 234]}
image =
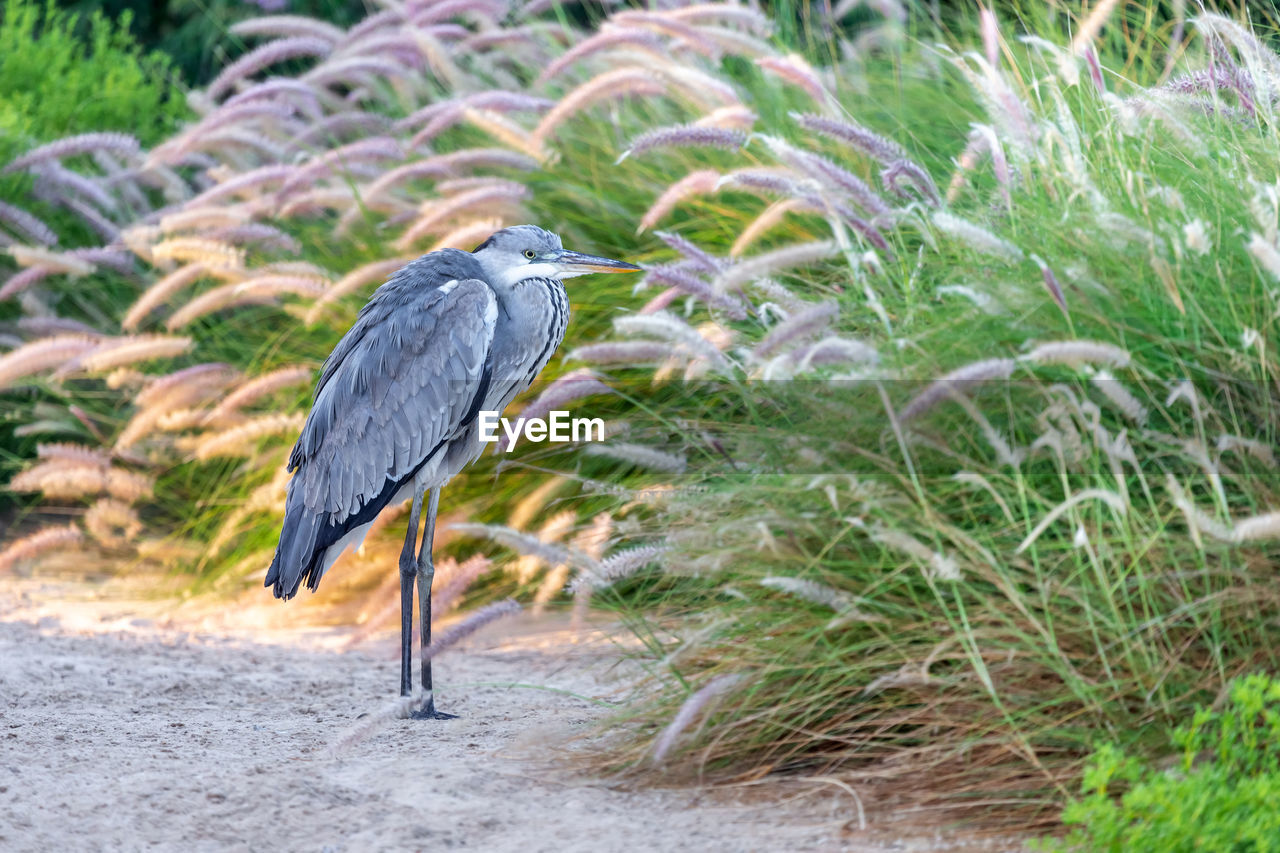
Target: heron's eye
{"type": "Point", "coordinates": [530, 254]}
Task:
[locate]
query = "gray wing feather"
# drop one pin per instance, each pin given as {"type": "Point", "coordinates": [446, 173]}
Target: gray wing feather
{"type": "Point", "coordinates": [402, 380]}
{"type": "Point", "coordinates": [412, 375]}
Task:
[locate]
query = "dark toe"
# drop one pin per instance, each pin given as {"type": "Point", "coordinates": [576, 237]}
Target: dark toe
{"type": "Point", "coordinates": [430, 713]}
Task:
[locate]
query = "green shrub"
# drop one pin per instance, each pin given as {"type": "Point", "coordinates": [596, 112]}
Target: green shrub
{"type": "Point", "coordinates": [54, 83]}
{"type": "Point", "coordinates": [194, 33]}
{"type": "Point", "coordinates": [1221, 796]}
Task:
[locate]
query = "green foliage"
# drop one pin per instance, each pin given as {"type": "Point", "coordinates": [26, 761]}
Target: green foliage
{"type": "Point", "coordinates": [193, 33]}
{"type": "Point", "coordinates": [1221, 796]}
{"type": "Point", "coordinates": [54, 82]}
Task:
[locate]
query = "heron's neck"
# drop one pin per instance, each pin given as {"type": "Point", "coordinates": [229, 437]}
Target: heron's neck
{"type": "Point", "coordinates": [511, 278]}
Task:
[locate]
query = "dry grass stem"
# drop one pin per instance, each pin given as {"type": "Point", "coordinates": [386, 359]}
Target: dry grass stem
{"type": "Point", "coordinates": [455, 633]}
{"type": "Point", "coordinates": [689, 711]}
{"type": "Point", "coordinates": [957, 381]}
{"type": "Point", "coordinates": [42, 541]}
{"type": "Point", "coordinates": [242, 440]}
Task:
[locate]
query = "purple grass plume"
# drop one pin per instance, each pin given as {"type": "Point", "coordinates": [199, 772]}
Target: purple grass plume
{"type": "Point", "coordinates": [685, 136]}
{"type": "Point", "coordinates": [957, 381]}
{"type": "Point", "coordinates": [264, 56]}
{"type": "Point", "coordinates": [690, 710]}
{"type": "Point", "coordinates": [809, 321]}
{"type": "Point", "coordinates": [624, 563]}
{"type": "Point", "coordinates": [704, 260]}
{"type": "Point", "coordinates": [671, 276]}
{"type": "Point", "coordinates": [26, 224]}
{"type": "Point", "coordinates": [73, 145]}
{"type": "Point", "coordinates": [854, 135]}
{"type": "Point", "coordinates": [1051, 284]}
{"type": "Point", "coordinates": [474, 622]}
{"type": "Point", "coordinates": [457, 582]}
{"type": "Point", "coordinates": [905, 172]}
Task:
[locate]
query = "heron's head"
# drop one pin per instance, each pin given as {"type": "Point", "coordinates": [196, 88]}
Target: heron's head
{"type": "Point", "coordinates": [527, 251]}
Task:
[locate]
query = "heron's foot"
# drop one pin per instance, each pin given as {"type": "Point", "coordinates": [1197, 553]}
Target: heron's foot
{"type": "Point", "coordinates": [429, 712]}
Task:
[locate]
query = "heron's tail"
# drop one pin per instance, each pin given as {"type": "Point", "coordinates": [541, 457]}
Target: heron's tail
{"type": "Point", "coordinates": [300, 553]}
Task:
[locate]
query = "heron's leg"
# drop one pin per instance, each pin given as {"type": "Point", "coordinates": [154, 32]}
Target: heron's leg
{"type": "Point", "coordinates": [426, 574]}
{"type": "Point", "coordinates": [408, 568]}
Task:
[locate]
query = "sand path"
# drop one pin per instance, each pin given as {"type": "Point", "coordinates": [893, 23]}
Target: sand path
{"type": "Point", "coordinates": [121, 731]}
{"type": "Point", "coordinates": [127, 735]}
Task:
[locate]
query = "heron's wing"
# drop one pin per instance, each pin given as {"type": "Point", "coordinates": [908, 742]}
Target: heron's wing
{"type": "Point", "coordinates": [411, 380]}
{"type": "Point", "coordinates": [418, 278]}
{"type": "Point", "coordinates": [412, 375]}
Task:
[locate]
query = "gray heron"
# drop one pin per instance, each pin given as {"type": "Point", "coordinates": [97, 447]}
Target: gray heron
{"type": "Point", "coordinates": [394, 414]}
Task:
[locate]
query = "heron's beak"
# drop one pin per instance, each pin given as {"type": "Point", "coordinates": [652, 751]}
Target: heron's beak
{"type": "Point", "coordinates": [576, 263]}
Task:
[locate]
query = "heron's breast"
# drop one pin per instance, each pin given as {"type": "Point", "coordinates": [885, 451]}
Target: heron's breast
{"type": "Point", "coordinates": [550, 317]}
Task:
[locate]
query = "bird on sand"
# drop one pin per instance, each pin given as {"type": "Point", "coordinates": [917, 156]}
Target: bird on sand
{"type": "Point", "coordinates": [395, 411]}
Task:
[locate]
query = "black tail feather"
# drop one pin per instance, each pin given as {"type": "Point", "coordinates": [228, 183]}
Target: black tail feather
{"type": "Point", "coordinates": [300, 551]}
{"type": "Point", "coordinates": [307, 535]}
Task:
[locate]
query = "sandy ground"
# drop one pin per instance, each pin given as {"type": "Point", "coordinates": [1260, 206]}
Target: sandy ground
{"type": "Point", "coordinates": [123, 729]}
